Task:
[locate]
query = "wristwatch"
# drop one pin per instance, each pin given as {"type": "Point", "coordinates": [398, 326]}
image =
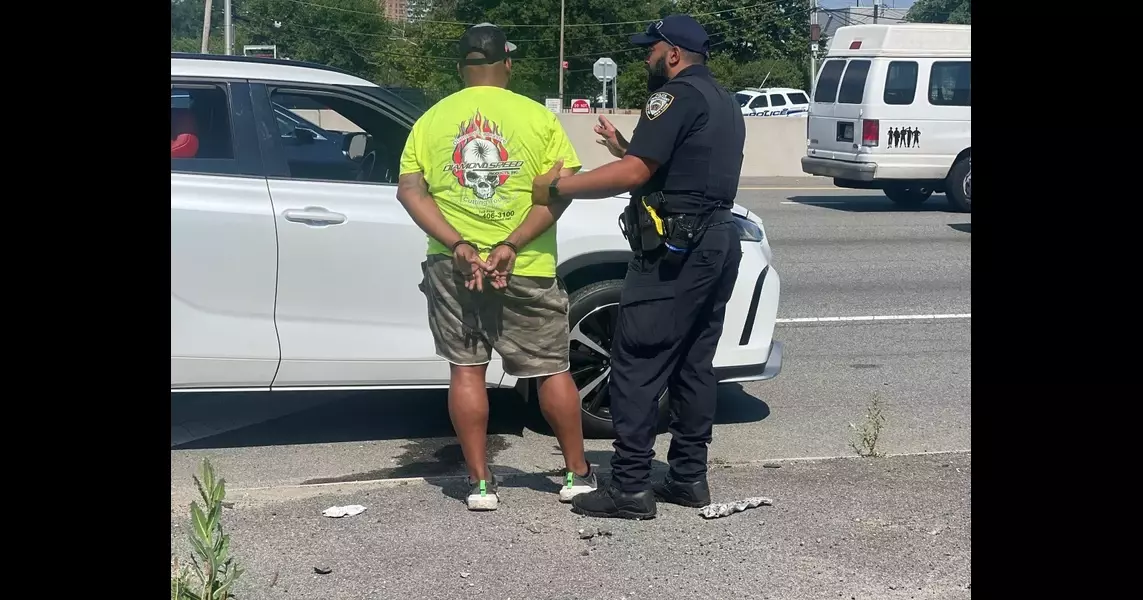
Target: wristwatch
{"type": "Point", "coordinates": [554, 188]}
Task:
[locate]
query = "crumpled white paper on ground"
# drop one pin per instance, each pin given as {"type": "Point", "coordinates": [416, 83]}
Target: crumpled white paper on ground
{"type": "Point", "coordinates": [725, 509]}
{"type": "Point", "coordinates": [338, 512]}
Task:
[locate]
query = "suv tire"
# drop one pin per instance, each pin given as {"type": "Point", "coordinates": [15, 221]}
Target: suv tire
{"type": "Point", "coordinates": [593, 312]}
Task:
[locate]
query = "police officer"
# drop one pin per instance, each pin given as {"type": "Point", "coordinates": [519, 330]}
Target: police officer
{"type": "Point", "coordinates": [682, 166]}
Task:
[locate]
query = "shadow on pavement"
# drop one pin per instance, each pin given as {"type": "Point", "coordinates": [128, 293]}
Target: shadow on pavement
{"type": "Point", "coordinates": [361, 416]}
{"type": "Point", "coordinates": [418, 416]}
{"type": "Point", "coordinates": [964, 227]}
{"type": "Point", "coordinates": [872, 203]}
{"type": "Point", "coordinates": [736, 405]}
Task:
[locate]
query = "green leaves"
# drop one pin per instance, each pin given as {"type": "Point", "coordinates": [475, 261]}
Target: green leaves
{"type": "Point", "coordinates": [211, 563]}
{"type": "Point", "coordinates": [354, 35]}
{"type": "Point", "coordinates": [941, 11]}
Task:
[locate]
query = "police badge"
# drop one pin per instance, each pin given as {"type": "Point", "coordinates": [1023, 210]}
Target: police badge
{"type": "Point", "coordinates": [657, 104]}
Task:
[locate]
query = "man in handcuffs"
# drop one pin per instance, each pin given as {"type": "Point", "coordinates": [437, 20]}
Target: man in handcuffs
{"type": "Point", "coordinates": [490, 274]}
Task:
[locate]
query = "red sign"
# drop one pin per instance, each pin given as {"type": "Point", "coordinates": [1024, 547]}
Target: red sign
{"type": "Point", "coordinates": [579, 105]}
{"type": "Point", "coordinates": [565, 64]}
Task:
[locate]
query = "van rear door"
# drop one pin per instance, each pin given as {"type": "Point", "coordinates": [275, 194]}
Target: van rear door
{"type": "Point", "coordinates": [835, 127]}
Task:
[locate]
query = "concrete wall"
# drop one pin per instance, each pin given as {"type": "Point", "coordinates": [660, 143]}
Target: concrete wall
{"type": "Point", "coordinates": [326, 119]}
{"type": "Point", "coordinates": [774, 146]}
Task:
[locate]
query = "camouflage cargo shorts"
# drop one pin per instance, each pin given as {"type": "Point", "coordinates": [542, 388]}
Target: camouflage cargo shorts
{"type": "Point", "coordinates": [526, 323]}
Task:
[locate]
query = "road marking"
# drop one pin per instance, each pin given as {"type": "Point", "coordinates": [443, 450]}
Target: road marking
{"type": "Point", "coordinates": [820, 202]}
{"type": "Point", "coordinates": [791, 189]}
{"type": "Point", "coordinates": [874, 318]}
{"type": "Point", "coordinates": [597, 468]}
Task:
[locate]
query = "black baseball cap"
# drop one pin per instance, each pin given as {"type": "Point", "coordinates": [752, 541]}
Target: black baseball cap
{"type": "Point", "coordinates": [486, 39]}
{"type": "Point", "coordinates": [677, 30]}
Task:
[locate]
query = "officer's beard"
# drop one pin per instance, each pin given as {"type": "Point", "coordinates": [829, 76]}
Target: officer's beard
{"type": "Point", "coordinates": [657, 74]}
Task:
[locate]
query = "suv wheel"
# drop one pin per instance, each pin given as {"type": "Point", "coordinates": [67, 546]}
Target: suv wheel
{"type": "Point", "coordinates": [592, 314]}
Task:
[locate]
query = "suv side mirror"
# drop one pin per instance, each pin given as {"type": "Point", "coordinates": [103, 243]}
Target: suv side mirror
{"type": "Point", "coordinates": [305, 136]}
{"type": "Point", "coordinates": [354, 144]}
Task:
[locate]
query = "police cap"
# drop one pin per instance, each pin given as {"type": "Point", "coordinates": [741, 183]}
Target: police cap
{"type": "Point", "coordinates": [486, 39]}
{"type": "Point", "coordinates": [677, 30]}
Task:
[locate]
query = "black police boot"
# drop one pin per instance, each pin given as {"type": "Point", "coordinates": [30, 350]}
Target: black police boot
{"type": "Point", "coordinates": [693, 494]}
{"type": "Point", "coordinates": [610, 502]}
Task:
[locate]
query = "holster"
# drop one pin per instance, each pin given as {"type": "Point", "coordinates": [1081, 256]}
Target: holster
{"type": "Point", "coordinates": [642, 225]}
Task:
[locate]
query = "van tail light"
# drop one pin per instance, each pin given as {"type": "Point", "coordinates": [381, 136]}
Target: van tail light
{"type": "Point", "coordinates": [870, 132]}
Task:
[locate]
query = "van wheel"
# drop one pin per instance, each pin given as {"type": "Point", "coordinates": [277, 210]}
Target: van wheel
{"type": "Point", "coordinates": [593, 313]}
{"type": "Point", "coordinates": [906, 196]}
{"type": "Point", "coordinates": [959, 185]}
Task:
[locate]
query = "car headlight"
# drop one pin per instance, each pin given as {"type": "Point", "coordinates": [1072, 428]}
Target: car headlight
{"type": "Point", "coordinates": [748, 231]}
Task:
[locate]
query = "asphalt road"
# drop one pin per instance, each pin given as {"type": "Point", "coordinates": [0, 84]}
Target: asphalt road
{"type": "Point", "coordinates": [890, 528]}
{"type": "Point", "coordinates": [841, 254]}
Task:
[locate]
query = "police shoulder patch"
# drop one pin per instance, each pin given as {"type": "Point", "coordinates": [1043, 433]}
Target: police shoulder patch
{"type": "Point", "coordinates": [658, 104]}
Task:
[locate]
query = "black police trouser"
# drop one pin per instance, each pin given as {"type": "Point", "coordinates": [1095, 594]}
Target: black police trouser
{"type": "Point", "coordinates": [670, 319]}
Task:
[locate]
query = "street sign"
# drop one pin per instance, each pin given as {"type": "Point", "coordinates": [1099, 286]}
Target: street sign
{"type": "Point", "coordinates": [553, 104]}
{"type": "Point", "coordinates": [270, 51]}
{"type": "Point", "coordinates": [605, 69]}
{"type": "Point", "coordinates": [565, 64]}
{"type": "Point", "coordinates": [580, 106]}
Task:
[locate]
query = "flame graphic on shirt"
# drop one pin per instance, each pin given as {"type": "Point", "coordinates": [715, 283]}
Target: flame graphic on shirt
{"type": "Point", "coordinates": [479, 128]}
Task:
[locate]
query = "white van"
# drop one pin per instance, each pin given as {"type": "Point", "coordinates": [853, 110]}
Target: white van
{"type": "Point", "coordinates": [892, 110]}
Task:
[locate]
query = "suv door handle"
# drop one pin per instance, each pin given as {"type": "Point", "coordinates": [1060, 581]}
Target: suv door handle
{"type": "Point", "coordinates": [313, 215]}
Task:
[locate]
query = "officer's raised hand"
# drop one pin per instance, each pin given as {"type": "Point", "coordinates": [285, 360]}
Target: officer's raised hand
{"type": "Point", "coordinates": [611, 138]}
{"type": "Point", "coordinates": [542, 183]}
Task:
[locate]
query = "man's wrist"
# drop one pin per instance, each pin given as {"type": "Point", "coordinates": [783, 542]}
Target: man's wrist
{"type": "Point", "coordinates": [507, 243]}
{"type": "Point", "coordinates": [554, 189]}
{"type": "Point", "coordinates": [462, 242]}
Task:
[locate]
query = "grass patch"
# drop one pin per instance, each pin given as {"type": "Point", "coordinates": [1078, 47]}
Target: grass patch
{"type": "Point", "coordinates": [867, 436]}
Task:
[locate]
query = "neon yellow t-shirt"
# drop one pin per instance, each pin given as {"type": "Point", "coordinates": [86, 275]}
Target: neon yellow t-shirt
{"type": "Point", "coordinates": [479, 150]}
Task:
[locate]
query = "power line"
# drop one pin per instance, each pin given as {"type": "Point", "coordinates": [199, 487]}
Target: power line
{"type": "Point", "coordinates": [737, 37]}
{"type": "Point", "coordinates": [513, 40]}
{"type": "Point", "coordinates": [507, 25]}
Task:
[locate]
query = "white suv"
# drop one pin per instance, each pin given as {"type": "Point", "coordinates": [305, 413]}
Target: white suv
{"type": "Point", "coordinates": [293, 266]}
{"type": "Point", "coordinates": [773, 102]}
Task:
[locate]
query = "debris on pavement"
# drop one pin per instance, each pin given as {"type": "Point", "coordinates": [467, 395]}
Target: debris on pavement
{"type": "Point", "coordinates": [535, 528]}
{"type": "Point", "coordinates": [464, 574]}
{"type": "Point", "coordinates": [587, 534]}
{"type": "Point", "coordinates": [337, 512]}
{"type": "Point", "coordinates": [323, 570]}
{"type": "Point", "coordinates": [725, 509]}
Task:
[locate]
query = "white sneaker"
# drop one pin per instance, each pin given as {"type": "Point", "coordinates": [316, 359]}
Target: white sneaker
{"type": "Point", "coordinates": [575, 485]}
{"type": "Point", "coordinates": [483, 495]}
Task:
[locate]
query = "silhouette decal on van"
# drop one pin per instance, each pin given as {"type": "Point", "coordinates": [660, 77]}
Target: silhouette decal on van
{"type": "Point", "coordinates": [909, 137]}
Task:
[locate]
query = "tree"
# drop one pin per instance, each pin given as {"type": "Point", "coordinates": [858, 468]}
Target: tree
{"type": "Point", "coordinates": [749, 39]}
{"type": "Point", "coordinates": [347, 34]}
{"type": "Point", "coordinates": [941, 11]}
{"type": "Point", "coordinates": [186, 26]}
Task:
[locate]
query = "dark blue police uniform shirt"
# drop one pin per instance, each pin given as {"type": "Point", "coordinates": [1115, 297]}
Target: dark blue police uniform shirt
{"type": "Point", "coordinates": [671, 113]}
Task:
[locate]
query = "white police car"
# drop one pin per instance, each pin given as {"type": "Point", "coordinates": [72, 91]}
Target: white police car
{"type": "Point", "coordinates": [773, 102]}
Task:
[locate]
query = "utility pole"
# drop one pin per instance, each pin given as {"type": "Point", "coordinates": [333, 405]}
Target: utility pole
{"type": "Point", "coordinates": [815, 35]}
{"type": "Point", "coordinates": [561, 65]}
{"type": "Point", "coordinates": [206, 29]}
{"type": "Point", "coordinates": [229, 30]}
{"type": "Point", "coordinates": [876, 6]}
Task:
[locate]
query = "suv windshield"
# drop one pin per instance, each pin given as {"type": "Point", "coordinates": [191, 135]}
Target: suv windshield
{"type": "Point", "coordinates": [742, 99]}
